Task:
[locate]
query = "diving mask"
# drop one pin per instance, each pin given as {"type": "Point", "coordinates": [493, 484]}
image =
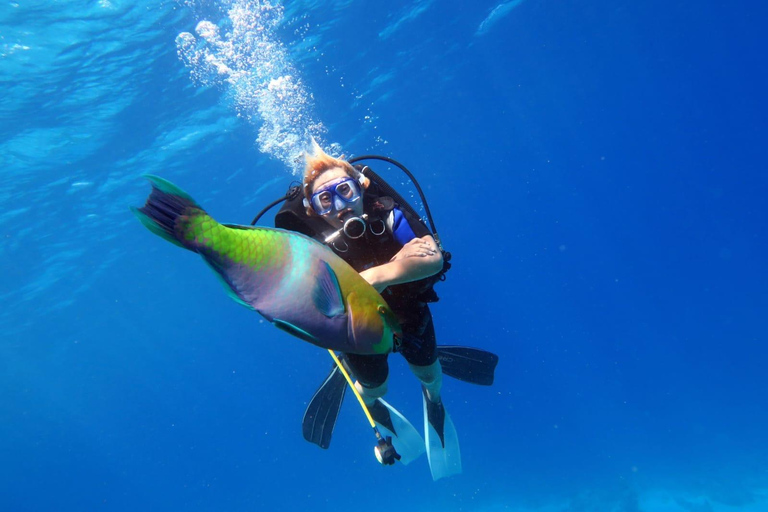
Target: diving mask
{"type": "Point", "coordinates": [336, 195]}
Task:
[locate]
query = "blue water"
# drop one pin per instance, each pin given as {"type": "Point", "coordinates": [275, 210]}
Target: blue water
{"type": "Point", "coordinates": [597, 170]}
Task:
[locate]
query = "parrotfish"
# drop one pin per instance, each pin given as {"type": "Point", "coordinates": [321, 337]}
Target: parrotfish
{"type": "Point", "coordinates": [293, 281]}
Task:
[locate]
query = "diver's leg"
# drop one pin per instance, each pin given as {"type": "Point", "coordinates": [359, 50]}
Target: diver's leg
{"type": "Point", "coordinates": [420, 350]}
{"type": "Point", "coordinates": [431, 378]}
{"type": "Point", "coordinates": [442, 442]}
{"type": "Point", "coordinates": [370, 395]}
{"type": "Point", "coordinates": [371, 374]}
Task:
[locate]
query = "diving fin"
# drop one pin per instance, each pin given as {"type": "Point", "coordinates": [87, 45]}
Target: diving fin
{"type": "Point", "coordinates": [323, 410]}
{"type": "Point", "coordinates": [468, 364]}
{"type": "Point", "coordinates": [405, 438]}
{"type": "Point", "coordinates": [441, 440]}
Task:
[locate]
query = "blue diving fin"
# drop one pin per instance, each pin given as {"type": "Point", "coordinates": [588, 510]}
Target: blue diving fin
{"type": "Point", "coordinates": [464, 363]}
{"type": "Point", "coordinates": [323, 411]}
{"type": "Point", "coordinates": [441, 440]}
{"type": "Point", "coordinates": [405, 438]}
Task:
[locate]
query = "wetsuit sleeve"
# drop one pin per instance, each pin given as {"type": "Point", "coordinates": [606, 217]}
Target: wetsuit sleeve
{"type": "Point", "coordinates": [405, 227]}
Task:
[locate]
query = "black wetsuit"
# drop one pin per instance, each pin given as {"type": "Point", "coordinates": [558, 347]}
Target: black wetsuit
{"type": "Point", "coordinates": [407, 300]}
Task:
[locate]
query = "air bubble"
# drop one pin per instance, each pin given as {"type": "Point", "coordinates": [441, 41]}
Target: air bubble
{"type": "Point", "coordinates": [243, 55]}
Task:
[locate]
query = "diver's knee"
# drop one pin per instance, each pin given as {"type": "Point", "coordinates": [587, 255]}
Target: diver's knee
{"type": "Point", "coordinates": [428, 374]}
{"type": "Point", "coordinates": [371, 394]}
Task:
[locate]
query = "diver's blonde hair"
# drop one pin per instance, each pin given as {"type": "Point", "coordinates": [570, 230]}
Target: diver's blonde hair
{"type": "Point", "coordinates": [319, 162]}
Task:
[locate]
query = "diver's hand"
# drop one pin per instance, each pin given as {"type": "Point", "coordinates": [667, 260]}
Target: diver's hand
{"type": "Point", "coordinates": [416, 248]}
{"type": "Point", "coordinates": [417, 259]}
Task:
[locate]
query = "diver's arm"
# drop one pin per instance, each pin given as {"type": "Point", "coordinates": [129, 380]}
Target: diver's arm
{"type": "Point", "coordinates": [417, 259]}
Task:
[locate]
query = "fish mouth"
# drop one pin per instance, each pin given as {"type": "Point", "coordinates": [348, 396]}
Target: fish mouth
{"type": "Point", "coordinates": [397, 341]}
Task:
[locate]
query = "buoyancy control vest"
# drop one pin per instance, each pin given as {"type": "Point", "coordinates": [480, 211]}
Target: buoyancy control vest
{"type": "Point", "coordinates": [378, 244]}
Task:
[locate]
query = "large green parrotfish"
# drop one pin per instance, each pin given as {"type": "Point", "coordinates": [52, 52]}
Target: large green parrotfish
{"type": "Point", "coordinates": [296, 283]}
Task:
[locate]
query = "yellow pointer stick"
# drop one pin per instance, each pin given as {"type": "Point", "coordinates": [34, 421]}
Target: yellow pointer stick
{"type": "Point", "coordinates": [385, 452]}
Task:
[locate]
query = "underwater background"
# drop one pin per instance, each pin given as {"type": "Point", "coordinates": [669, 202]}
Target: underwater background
{"type": "Point", "coordinates": [597, 169]}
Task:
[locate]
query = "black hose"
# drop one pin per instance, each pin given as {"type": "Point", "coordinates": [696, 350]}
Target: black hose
{"type": "Point", "coordinates": [293, 191]}
{"type": "Point", "coordinates": [391, 190]}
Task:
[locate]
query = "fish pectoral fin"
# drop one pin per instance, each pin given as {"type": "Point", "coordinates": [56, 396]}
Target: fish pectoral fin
{"type": "Point", "coordinates": [326, 293]}
{"type": "Point", "coordinates": [294, 331]}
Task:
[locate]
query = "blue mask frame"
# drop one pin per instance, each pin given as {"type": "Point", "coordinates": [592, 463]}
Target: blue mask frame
{"type": "Point", "coordinates": [339, 197]}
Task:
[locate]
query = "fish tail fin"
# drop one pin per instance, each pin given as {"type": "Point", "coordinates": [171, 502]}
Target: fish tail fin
{"type": "Point", "coordinates": [167, 211]}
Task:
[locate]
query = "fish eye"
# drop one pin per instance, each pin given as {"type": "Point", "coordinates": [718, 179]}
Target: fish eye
{"type": "Point", "coordinates": [382, 309]}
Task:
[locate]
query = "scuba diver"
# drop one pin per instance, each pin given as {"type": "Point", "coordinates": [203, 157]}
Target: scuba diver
{"type": "Point", "coordinates": [363, 220]}
{"type": "Point", "coordinates": [366, 297]}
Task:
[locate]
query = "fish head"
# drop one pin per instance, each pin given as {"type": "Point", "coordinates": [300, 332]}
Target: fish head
{"type": "Point", "coordinates": [373, 327]}
{"type": "Point", "coordinates": [391, 325]}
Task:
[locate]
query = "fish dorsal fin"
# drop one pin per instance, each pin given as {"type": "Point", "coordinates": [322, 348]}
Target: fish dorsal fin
{"type": "Point", "coordinates": [241, 226]}
{"type": "Point", "coordinates": [326, 293]}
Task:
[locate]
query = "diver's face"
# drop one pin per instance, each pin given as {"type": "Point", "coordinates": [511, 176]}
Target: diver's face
{"type": "Point", "coordinates": [340, 210]}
